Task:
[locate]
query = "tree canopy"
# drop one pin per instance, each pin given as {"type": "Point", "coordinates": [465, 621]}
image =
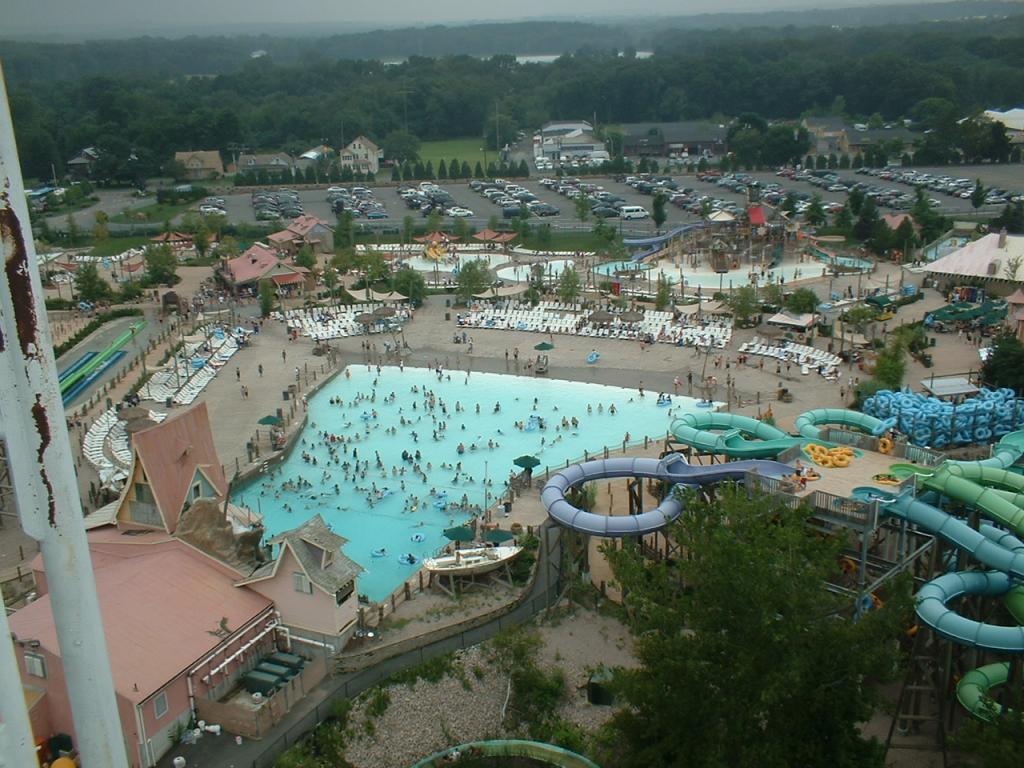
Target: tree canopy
{"type": "Point", "coordinates": [755, 663]}
{"type": "Point", "coordinates": [1005, 363]}
{"type": "Point", "coordinates": [474, 278]}
{"type": "Point", "coordinates": [802, 301]}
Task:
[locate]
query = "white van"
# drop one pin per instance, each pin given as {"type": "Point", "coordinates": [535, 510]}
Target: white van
{"type": "Point", "coordinates": [633, 212]}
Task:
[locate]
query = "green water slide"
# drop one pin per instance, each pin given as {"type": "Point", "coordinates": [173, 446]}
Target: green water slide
{"type": "Point", "coordinates": [101, 358]}
{"type": "Point", "coordinates": [548, 754]}
{"type": "Point", "coordinates": [732, 435]}
{"type": "Point", "coordinates": [807, 423]}
{"type": "Point", "coordinates": [968, 483]}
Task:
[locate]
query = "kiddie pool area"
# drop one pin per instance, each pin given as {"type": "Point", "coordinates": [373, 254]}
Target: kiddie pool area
{"type": "Point", "coordinates": [348, 463]}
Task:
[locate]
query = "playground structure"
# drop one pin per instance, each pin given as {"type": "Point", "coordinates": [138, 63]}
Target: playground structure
{"type": "Point", "coordinates": [955, 526]}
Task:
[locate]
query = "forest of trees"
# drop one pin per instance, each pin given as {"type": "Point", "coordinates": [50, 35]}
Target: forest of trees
{"type": "Point", "coordinates": [934, 74]}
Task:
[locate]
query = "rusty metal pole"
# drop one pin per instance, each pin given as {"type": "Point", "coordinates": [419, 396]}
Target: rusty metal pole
{"type": "Point", "coordinates": [42, 471]}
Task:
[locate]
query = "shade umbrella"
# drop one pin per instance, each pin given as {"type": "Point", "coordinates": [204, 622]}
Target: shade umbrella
{"type": "Point", "coordinates": [460, 533]}
{"type": "Point", "coordinates": [366, 318]}
{"type": "Point", "coordinates": [631, 316]}
{"type": "Point", "coordinates": [497, 535]}
{"type": "Point", "coordinates": [270, 420]}
{"type": "Point", "coordinates": [384, 311]}
{"type": "Point", "coordinates": [527, 462]}
{"type": "Point", "coordinates": [544, 346]}
{"type": "Point", "coordinates": [600, 316]}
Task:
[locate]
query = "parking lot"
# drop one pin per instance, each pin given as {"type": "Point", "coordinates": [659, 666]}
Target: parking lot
{"type": "Point", "coordinates": [460, 195]}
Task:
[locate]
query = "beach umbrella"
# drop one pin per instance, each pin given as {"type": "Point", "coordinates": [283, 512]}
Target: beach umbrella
{"type": "Point", "coordinates": [544, 346]}
{"type": "Point", "coordinates": [366, 318]}
{"type": "Point", "coordinates": [497, 536]}
{"type": "Point", "coordinates": [527, 462]}
{"type": "Point", "coordinates": [600, 316]}
{"type": "Point", "coordinates": [384, 311]}
{"type": "Point", "coordinates": [270, 420]}
{"type": "Point", "coordinates": [460, 533]}
{"type": "Point", "coordinates": [631, 316]}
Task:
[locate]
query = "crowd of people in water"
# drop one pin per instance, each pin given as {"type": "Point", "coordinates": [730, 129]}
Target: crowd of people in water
{"type": "Point", "coordinates": [344, 465]}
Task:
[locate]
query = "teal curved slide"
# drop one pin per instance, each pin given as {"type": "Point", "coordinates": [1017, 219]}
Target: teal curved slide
{"type": "Point", "coordinates": [995, 492]}
{"type": "Point", "coordinates": [548, 754]}
{"type": "Point", "coordinates": [807, 423]}
{"type": "Point", "coordinates": [726, 434]}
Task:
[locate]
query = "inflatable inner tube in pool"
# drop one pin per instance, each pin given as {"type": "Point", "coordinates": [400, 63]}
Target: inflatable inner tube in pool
{"type": "Point", "coordinates": [417, 537]}
{"type": "Point", "coordinates": [408, 560]}
{"type": "Point", "coordinates": [379, 552]}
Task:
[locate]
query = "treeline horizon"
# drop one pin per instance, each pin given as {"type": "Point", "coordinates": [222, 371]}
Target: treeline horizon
{"type": "Point", "coordinates": [931, 74]}
{"type": "Point", "coordinates": [153, 54]}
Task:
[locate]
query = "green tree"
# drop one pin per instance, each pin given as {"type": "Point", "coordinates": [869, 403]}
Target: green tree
{"type": "Point", "coordinates": [978, 194]}
{"type": "Point", "coordinates": [442, 169]}
{"type": "Point", "coordinates": [201, 241]}
{"type": "Point", "coordinates": [474, 279]}
{"type": "Point", "coordinates": [855, 200]}
{"type": "Point", "coordinates": [306, 257]}
{"type": "Point", "coordinates": [478, 171]}
{"type": "Point", "coordinates": [408, 228]}
{"type": "Point", "coordinates": [461, 228]}
{"type": "Point", "coordinates": [100, 230]}
{"type": "Point", "coordinates": [161, 265]}
{"type": "Point", "coordinates": [345, 235]}
{"type": "Point", "coordinates": [802, 301]}
{"type": "Point", "coordinates": [663, 296]}
{"type": "Point", "coordinates": [891, 366]}
{"type": "Point", "coordinates": [582, 207]}
{"type": "Point", "coordinates": [658, 212]}
{"type": "Point", "coordinates": [569, 285]}
{"type": "Point", "coordinates": [1005, 363]}
{"type": "Point", "coordinates": [789, 203]}
{"type": "Point", "coordinates": [815, 213]}
{"type": "Point", "coordinates": [228, 248]}
{"type": "Point", "coordinates": [410, 284]}
{"type": "Point", "coordinates": [73, 232]}
{"type": "Point", "coordinates": [760, 658]}
{"type": "Point", "coordinates": [268, 298]}
{"type": "Point", "coordinates": [89, 285]}
{"type": "Point", "coordinates": [744, 305]}
{"type": "Point", "coordinates": [401, 147]}
{"type": "Point", "coordinates": [867, 220]}
{"type": "Point", "coordinates": [844, 219]}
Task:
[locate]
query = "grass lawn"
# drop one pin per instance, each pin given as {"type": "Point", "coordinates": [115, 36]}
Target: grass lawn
{"type": "Point", "coordinates": [156, 212]}
{"type": "Point", "coordinates": [463, 150]}
{"type": "Point", "coordinates": [115, 245]}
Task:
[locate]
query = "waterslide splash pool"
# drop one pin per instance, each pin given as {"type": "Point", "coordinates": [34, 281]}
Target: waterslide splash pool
{"type": "Point", "coordinates": [521, 272]}
{"type": "Point", "coordinates": [703, 277]}
{"type": "Point", "coordinates": [383, 414]}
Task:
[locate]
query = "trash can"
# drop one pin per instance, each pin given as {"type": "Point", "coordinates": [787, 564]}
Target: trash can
{"type": "Point", "coordinates": [447, 302]}
{"type": "Point", "coordinates": [447, 315]}
{"type": "Point", "coordinates": [168, 402]}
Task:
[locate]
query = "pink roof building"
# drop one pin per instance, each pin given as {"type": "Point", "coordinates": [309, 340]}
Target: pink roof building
{"type": "Point", "coordinates": [173, 464]}
{"type": "Point", "coordinates": [996, 256]}
{"type": "Point", "coordinates": [166, 607]}
{"type": "Point", "coordinates": [258, 263]}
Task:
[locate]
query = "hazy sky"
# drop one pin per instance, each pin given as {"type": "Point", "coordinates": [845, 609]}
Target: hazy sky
{"type": "Point", "coordinates": [93, 17]}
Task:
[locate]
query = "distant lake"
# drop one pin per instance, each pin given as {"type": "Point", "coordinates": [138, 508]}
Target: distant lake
{"type": "Point", "coordinates": [536, 58]}
{"type": "Point", "coordinates": [548, 58]}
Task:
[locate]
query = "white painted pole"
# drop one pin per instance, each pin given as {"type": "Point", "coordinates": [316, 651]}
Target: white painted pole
{"type": "Point", "coordinates": [16, 744]}
{"type": "Point", "coordinates": [43, 472]}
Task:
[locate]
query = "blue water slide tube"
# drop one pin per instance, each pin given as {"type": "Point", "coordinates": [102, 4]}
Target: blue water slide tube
{"type": "Point", "coordinates": [672, 469]}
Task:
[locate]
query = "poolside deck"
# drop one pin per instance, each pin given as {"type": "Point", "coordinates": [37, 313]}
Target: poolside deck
{"type": "Point", "coordinates": [840, 481]}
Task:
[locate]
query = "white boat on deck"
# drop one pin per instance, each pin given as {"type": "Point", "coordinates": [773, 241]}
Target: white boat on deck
{"type": "Point", "coordinates": [470, 562]}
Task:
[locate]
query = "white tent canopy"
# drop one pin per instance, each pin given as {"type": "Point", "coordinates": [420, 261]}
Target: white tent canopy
{"type": "Point", "coordinates": [721, 216]}
{"type": "Point", "coordinates": [793, 321]}
{"type": "Point", "coordinates": [992, 256]}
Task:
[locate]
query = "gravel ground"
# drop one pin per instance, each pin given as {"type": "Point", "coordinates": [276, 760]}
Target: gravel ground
{"type": "Point", "coordinates": [466, 705]}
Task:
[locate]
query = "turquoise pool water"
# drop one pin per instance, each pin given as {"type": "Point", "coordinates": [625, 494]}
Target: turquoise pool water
{"type": "Point", "coordinates": [944, 247]}
{"type": "Point", "coordinates": [383, 414]}
{"type": "Point", "coordinates": [844, 261]}
{"type": "Point", "coordinates": [521, 272]}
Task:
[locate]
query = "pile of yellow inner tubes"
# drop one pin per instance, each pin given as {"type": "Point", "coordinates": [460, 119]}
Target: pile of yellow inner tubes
{"type": "Point", "coordinates": [839, 456]}
{"type": "Point", "coordinates": [884, 445]}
